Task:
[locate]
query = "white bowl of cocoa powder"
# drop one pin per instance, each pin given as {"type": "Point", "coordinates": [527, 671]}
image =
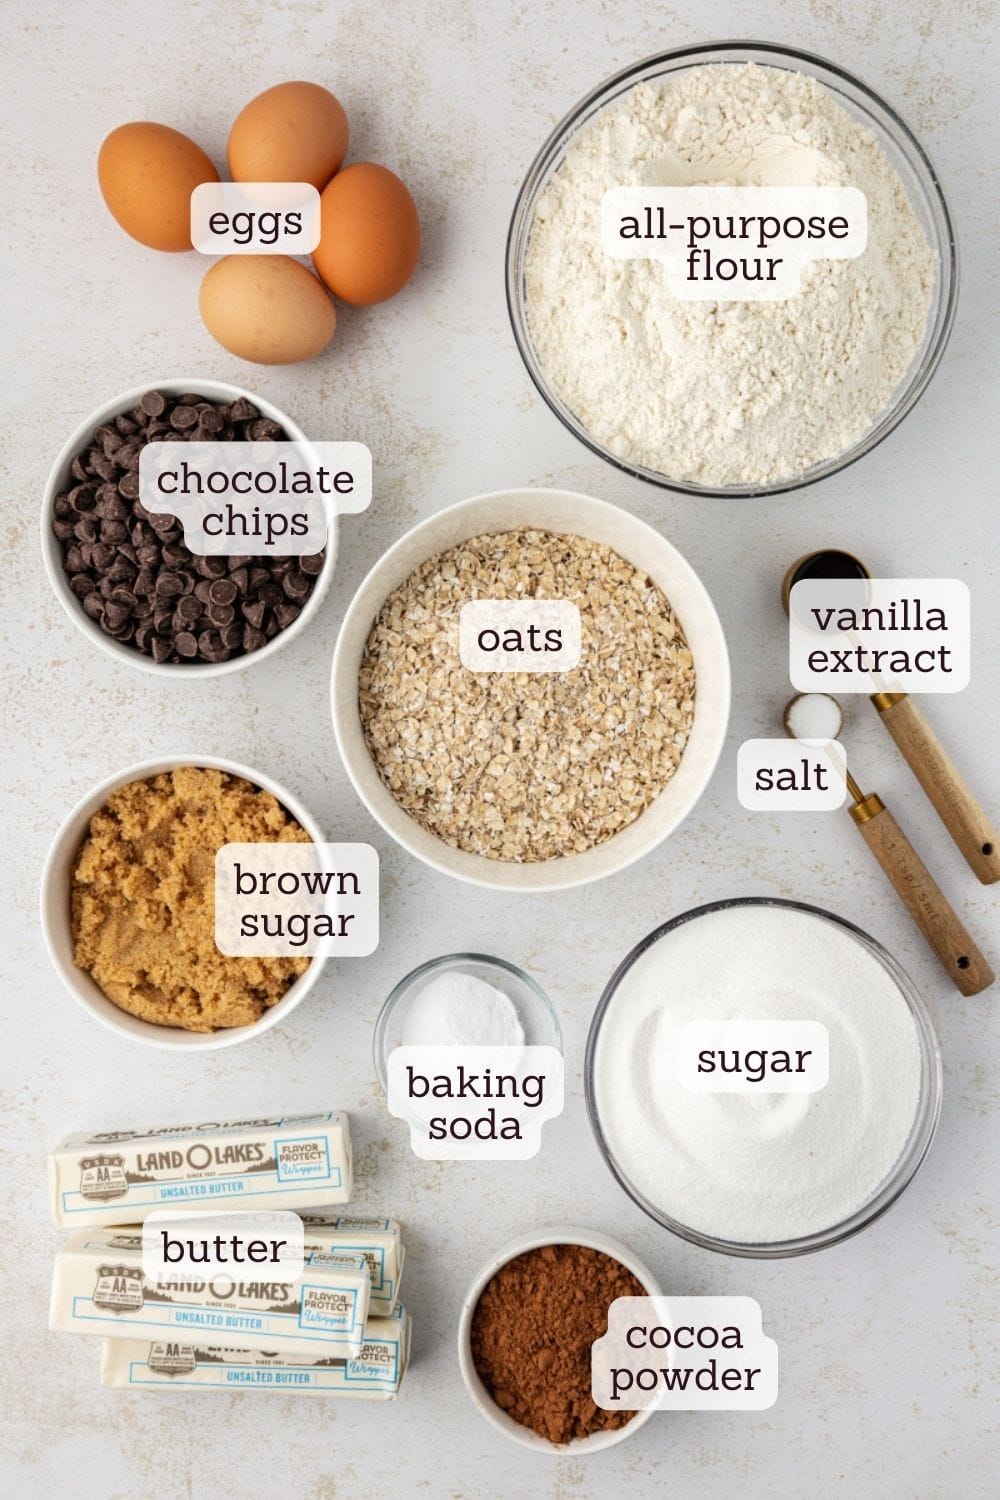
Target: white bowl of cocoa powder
{"type": "Point", "coordinates": [524, 1338]}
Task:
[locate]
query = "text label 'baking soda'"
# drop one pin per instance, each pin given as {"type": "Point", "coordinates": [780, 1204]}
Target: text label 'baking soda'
{"type": "Point", "coordinates": [684, 1354]}
{"type": "Point", "coordinates": [475, 1103]}
{"type": "Point", "coordinates": [879, 635]}
{"type": "Point", "coordinates": [520, 635]}
{"type": "Point", "coordinates": [296, 900]}
{"type": "Point", "coordinates": [251, 499]}
{"type": "Point", "coordinates": [178, 1243]}
{"type": "Point", "coordinates": [744, 244]}
{"type": "Point", "coordinates": [753, 1057]}
{"type": "Point", "coordinates": [791, 775]}
{"type": "Point", "coordinates": [255, 218]}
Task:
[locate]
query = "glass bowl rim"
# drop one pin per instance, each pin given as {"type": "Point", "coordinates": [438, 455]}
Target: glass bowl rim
{"type": "Point", "coordinates": [399, 989]}
{"type": "Point", "coordinates": [906, 142]}
{"type": "Point", "coordinates": [919, 1139]}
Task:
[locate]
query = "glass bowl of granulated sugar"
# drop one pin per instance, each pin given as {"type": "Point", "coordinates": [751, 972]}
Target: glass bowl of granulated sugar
{"type": "Point", "coordinates": [762, 1077]}
{"type": "Point", "coordinates": [724, 397]}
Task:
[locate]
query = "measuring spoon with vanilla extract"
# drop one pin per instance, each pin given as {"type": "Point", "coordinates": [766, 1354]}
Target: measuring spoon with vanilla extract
{"type": "Point", "coordinates": [920, 747]}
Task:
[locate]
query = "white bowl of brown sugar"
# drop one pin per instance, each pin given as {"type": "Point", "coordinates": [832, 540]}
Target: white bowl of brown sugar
{"type": "Point", "coordinates": [531, 781]}
{"type": "Point", "coordinates": [127, 903]}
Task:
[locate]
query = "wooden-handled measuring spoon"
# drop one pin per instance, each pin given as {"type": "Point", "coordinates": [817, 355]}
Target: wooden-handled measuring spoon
{"type": "Point", "coordinates": [920, 747]}
{"type": "Point", "coordinates": [910, 877]}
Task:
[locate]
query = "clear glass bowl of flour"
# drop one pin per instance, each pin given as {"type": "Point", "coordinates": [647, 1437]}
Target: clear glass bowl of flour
{"type": "Point", "coordinates": [904, 154]}
{"type": "Point", "coordinates": [704, 1161]}
{"type": "Point", "coordinates": [420, 1001]}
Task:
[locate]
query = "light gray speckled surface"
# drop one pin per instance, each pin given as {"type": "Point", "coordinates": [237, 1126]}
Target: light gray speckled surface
{"type": "Point", "coordinates": [888, 1343]}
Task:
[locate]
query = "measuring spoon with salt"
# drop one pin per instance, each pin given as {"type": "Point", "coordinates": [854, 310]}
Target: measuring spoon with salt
{"type": "Point", "coordinates": [913, 883]}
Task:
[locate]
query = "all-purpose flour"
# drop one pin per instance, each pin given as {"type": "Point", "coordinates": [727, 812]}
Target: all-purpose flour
{"type": "Point", "coordinates": [758, 1167]}
{"type": "Point", "coordinates": [725, 393]}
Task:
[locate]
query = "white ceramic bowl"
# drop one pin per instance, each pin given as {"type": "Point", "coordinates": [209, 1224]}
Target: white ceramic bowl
{"type": "Point", "coordinates": [483, 1400]}
{"type": "Point", "coordinates": [212, 390]}
{"type": "Point", "coordinates": [55, 904]}
{"type": "Point", "coordinates": [559, 511]}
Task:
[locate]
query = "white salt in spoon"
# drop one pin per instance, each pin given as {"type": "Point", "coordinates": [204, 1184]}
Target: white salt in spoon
{"type": "Point", "coordinates": [818, 716]}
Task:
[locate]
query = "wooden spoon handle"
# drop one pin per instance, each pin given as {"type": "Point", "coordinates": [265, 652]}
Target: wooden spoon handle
{"type": "Point", "coordinates": [940, 778]}
{"type": "Point", "coordinates": [922, 897]}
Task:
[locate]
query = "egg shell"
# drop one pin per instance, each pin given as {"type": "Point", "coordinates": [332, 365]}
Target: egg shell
{"type": "Point", "coordinates": [294, 132]}
{"type": "Point", "coordinates": [267, 309]}
{"type": "Point", "coordinates": [369, 234]}
{"type": "Point", "coordinates": [147, 173]}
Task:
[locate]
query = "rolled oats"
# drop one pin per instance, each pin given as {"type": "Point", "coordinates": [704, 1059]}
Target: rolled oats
{"type": "Point", "coordinates": [524, 766]}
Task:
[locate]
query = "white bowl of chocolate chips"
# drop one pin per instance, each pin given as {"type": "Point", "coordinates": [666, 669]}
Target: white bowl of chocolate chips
{"type": "Point", "coordinates": [125, 577]}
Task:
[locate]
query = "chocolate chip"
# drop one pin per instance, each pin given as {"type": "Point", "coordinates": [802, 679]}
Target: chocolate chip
{"type": "Point", "coordinates": [312, 565]}
{"type": "Point", "coordinates": [296, 585]}
{"type": "Point", "coordinates": [82, 584]}
{"type": "Point", "coordinates": [286, 613]}
{"type": "Point", "coordinates": [175, 555]}
{"type": "Point", "coordinates": [113, 532]}
{"type": "Point", "coordinates": [162, 649]}
{"type": "Point", "coordinates": [128, 485]}
{"type": "Point", "coordinates": [93, 605]}
{"type": "Point", "coordinates": [232, 635]}
{"type": "Point", "coordinates": [242, 411]}
{"type": "Point", "coordinates": [182, 417]}
{"type": "Point", "coordinates": [222, 591]}
{"type": "Point", "coordinates": [188, 608]}
{"type": "Point", "coordinates": [169, 585]}
{"type": "Point", "coordinates": [185, 644]}
{"type": "Point", "coordinates": [240, 577]}
{"type": "Point", "coordinates": [254, 613]}
{"type": "Point", "coordinates": [221, 614]}
{"type": "Point", "coordinates": [253, 639]}
{"type": "Point", "coordinates": [154, 403]}
{"type": "Point", "coordinates": [211, 567]}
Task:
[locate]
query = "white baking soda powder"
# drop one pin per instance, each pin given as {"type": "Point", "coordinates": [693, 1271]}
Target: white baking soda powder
{"type": "Point", "coordinates": [461, 1010]}
{"type": "Point", "coordinates": [758, 1167]}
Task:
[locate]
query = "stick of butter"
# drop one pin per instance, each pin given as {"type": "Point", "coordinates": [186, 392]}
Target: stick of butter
{"type": "Point", "coordinates": [378, 1240]}
{"type": "Point", "coordinates": [375, 1375]}
{"type": "Point", "coordinates": [119, 1176]}
{"type": "Point", "coordinates": [99, 1287]}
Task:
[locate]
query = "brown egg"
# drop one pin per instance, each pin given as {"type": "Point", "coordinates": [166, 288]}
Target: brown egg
{"type": "Point", "coordinates": [147, 174]}
{"type": "Point", "coordinates": [268, 309]}
{"type": "Point", "coordinates": [295, 132]}
{"type": "Point", "coordinates": [369, 235]}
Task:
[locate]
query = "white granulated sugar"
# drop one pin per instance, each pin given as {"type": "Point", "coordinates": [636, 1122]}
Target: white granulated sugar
{"type": "Point", "coordinates": [761, 1167]}
{"type": "Point", "coordinates": [725, 393]}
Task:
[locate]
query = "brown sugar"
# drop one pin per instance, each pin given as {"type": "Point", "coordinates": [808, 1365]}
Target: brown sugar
{"type": "Point", "coordinates": [143, 900]}
{"type": "Point", "coordinates": [532, 1331]}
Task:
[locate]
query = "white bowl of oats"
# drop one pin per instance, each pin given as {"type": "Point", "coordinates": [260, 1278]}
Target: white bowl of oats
{"type": "Point", "coordinates": [531, 781]}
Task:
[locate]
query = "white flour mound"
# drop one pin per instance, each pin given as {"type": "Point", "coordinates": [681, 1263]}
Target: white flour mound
{"type": "Point", "coordinates": [725, 393]}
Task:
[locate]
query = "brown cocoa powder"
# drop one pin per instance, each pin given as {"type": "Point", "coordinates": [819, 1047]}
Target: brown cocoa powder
{"type": "Point", "coordinates": [532, 1330]}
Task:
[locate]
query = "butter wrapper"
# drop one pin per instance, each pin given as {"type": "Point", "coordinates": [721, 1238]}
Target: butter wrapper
{"type": "Point", "coordinates": [120, 1176]}
{"type": "Point", "coordinates": [99, 1287]}
{"type": "Point", "coordinates": [378, 1240]}
{"type": "Point", "coordinates": [375, 1375]}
